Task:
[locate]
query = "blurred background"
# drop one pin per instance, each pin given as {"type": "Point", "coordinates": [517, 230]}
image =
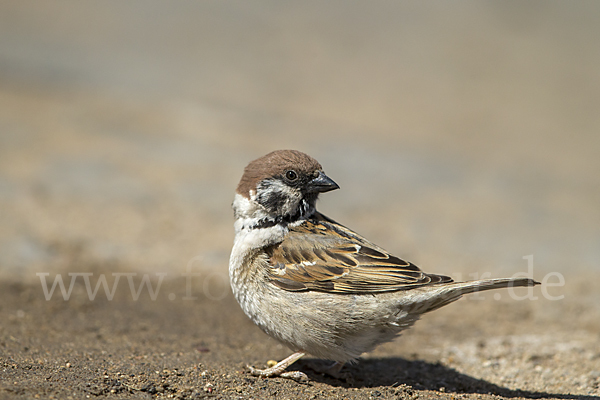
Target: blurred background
{"type": "Point", "coordinates": [464, 135]}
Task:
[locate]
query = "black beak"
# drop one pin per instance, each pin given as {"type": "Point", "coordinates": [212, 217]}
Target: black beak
{"type": "Point", "coordinates": [321, 184]}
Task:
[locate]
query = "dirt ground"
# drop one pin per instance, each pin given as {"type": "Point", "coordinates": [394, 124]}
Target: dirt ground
{"type": "Point", "coordinates": [463, 135]}
{"type": "Point", "coordinates": [186, 349]}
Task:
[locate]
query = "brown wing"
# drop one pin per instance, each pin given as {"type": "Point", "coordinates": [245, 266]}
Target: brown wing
{"type": "Point", "coordinates": [323, 255]}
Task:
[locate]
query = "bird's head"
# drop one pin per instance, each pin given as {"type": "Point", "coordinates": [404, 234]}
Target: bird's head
{"type": "Point", "coordinates": [283, 186]}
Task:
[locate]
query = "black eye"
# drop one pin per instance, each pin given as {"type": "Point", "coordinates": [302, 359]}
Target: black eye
{"type": "Point", "coordinates": [291, 175]}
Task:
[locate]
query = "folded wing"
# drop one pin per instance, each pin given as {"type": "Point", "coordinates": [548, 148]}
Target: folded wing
{"type": "Point", "coordinates": [322, 255]}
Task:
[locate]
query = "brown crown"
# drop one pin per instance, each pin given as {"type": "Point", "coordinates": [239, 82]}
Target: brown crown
{"type": "Point", "coordinates": [274, 164]}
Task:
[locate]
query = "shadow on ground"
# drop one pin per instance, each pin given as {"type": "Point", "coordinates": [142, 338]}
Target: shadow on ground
{"type": "Point", "coordinates": [415, 376]}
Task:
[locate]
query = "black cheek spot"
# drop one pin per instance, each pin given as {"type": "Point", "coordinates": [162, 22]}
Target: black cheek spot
{"type": "Point", "coordinates": [268, 197]}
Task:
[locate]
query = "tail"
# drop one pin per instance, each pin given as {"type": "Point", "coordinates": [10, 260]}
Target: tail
{"type": "Point", "coordinates": [461, 288]}
{"type": "Point", "coordinates": [449, 292]}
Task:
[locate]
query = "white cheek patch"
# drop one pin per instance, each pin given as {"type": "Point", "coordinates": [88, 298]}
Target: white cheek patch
{"type": "Point", "coordinates": [247, 212]}
{"type": "Point", "coordinates": [278, 186]}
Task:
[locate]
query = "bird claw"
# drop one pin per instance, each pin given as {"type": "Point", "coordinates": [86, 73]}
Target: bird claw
{"type": "Point", "coordinates": [273, 371]}
{"type": "Point", "coordinates": [298, 376]}
{"type": "Point", "coordinates": [279, 369]}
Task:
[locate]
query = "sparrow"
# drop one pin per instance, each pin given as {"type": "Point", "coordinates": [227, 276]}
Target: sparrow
{"type": "Point", "coordinates": [315, 285]}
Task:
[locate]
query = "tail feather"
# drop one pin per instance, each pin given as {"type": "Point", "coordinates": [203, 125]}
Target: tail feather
{"type": "Point", "coordinates": [489, 284]}
{"type": "Point", "coordinates": [450, 292]}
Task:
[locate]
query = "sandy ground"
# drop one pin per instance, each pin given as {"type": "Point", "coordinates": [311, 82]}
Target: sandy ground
{"type": "Point", "coordinates": [177, 347]}
{"type": "Point", "coordinates": [464, 138]}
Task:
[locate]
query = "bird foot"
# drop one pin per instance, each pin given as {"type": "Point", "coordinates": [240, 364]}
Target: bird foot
{"type": "Point", "coordinates": [279, 369]}
{"type": "Point", "coordinates": [271, 372]}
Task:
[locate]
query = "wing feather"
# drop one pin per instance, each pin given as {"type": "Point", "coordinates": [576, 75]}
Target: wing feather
{"type": "Point", "coordinates": [320, 254]}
